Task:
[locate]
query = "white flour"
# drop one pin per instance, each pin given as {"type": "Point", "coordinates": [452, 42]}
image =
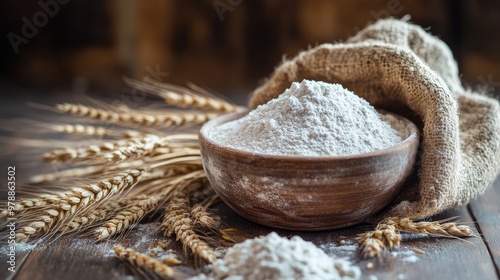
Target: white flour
{"type": "Point", "coordinates": [309, 119]}
{"type": "Point", "coordinates": [274, 258]}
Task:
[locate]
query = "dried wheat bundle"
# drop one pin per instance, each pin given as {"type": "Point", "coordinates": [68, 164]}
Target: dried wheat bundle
{"type": "Point", "coordinates": [138, 161]}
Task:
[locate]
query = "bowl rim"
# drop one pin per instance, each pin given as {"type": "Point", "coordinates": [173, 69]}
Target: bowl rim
{"type": "Point", "coordinates": [203, 136]}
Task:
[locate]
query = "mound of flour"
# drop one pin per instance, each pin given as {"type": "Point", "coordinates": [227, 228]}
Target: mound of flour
{"type": "Point", "coordinates": [275, 258]}
{"type": "Point", "coordinates": [310, 118]}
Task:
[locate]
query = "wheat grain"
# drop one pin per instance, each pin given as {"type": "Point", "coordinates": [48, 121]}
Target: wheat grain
{"type": "Point", "coordinates": [177, 221]}
{"type": "Point", "coordinates": [142, 261]}
{"type": "Point", "coordinates": [79, 198]}
{"type": "Point", "coordinates": [417, 250]}
{"type": "Point", "coordinates": [228, 238]}
{"type": "Point", "coordinates": [172, 262]}
{"type": "Point", "coordinates": [161, 244]}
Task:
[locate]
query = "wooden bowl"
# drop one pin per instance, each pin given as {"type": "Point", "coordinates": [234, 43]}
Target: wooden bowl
{"type": "Point", "coordinates": [307, 193]}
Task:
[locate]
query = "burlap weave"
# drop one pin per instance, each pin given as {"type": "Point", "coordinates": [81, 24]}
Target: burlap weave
{"type": "Point", "coordinates": [398, 66]}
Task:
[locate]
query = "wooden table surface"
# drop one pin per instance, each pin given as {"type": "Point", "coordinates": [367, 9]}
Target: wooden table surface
{"type": "Point", "coordinates": [473, 258]}
{"type": "Point", "coordinates": [70, 257]}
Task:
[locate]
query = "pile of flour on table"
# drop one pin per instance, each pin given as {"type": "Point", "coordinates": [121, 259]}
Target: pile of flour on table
{"type": "Point", "coordinates": [310, 118]}
{"type": "Point", "coordinates": [277, 258]}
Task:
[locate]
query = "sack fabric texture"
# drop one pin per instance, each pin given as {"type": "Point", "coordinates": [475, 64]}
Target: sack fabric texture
{"type": "Point", "coordinates": [398, 66]}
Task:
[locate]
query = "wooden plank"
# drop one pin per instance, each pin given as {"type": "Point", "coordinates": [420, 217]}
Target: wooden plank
{"type": "Point", "coordinates": [72, 257]}
{"type": "Point", "coordinates": [82, 258]}
{"type": "Point", "coordinates": [486, 211]}
{"type": "Point", "coordinates": [21, 255]}
{"type": "Point", "coordinates": [444, 258]}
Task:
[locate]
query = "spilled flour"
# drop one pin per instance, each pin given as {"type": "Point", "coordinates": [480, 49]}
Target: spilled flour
{"type": "Point", "coordinates": [274, 258]}
{"type": "Point", "coordinates": [310, 118]}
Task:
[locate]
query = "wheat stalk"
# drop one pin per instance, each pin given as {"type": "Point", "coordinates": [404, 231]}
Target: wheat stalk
{"type": "Point", "coordinates": [134, 117]}
{"type": "Point", "coordinates": [26, 204]}
{"type": "Point", "coordinates": [184, 97]}
{"type": "Point", "coordinates": [142, 261]}
{"type": "Point", "coordinates": [143, 205]}
{"type": "Point", "coordinates": [387, 233]}
{"type": "Point", "coordinates": [176, 221]}
{"type": "Point", "coordinates": [135, 148]}
{"type": "Point", "coordinates": [433, 228]}
{"type": "Point", "coordinates": [122, 150]}
{"type": "Point", "coordinates": [77, 199]}
{"type": "Point", "coordinates": [83, 153]}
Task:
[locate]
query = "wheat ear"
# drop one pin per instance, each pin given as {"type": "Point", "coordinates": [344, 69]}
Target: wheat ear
{"type": "Point", "coordinates": [200, 213]}
{"type": "Point", "coordinates": [387, 233]}
{"type": "Point", "coordinates": [373, 243]}
{"type": "Point", "coordinates": [184, 97]}
{"type": "Point", "coordinates": [26, 204]}
{"type": "Point", "coordinates": [72, 173]}
{"type": "Point", "coordinates": [437, 228]}
{"type": "Point", "coordinates": [85, 220]}
{"type": "Point", "coordinates": [144, 204]}
{"type": "Point", "coordinates": [129, 216]}
{"type": "Point", "coordinates": [84, 153]}
{"type": "Point", "coordinates": [135, 117]}
{"type": "Point", "coordinates": [177, 221]}
{"type": "Point", "coordinates": [82, 130]}
{"type": "Point", "coordinates": [142, 261]}
{"type": "Point", "coordinates": [78, 199]}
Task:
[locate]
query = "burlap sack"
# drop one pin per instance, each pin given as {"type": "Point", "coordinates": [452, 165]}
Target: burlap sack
{"type": "Point", "coordinates": [398, 66]}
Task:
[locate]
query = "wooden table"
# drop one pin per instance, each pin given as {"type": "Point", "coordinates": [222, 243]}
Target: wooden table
{"type": "Point", "coordinates": [76, 258]}
{"type": "Point", "coordinates": [474, 258]}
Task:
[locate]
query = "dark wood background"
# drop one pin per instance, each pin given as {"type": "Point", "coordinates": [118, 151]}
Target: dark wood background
{"type": "Point", "coordinates": [226, 45]}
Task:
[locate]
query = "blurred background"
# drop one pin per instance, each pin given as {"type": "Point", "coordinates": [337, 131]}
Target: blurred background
{"type": "Point", "coordinates": [63, 48]}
